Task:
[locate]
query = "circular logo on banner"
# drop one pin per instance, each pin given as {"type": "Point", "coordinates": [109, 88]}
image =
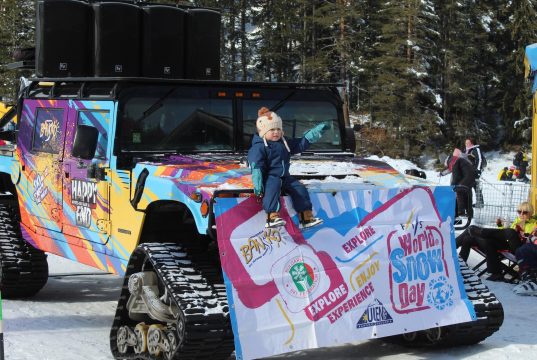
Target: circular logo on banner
{"type": "Point", "coordinates": [300, 276]}
{"type": "Point", "coordinates": [440, 293]}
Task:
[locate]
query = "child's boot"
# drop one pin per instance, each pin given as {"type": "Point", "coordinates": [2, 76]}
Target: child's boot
{"type": "Point", "coordinates": [274, 220]}
{"type": "Point", "coordinates": [307, 220]}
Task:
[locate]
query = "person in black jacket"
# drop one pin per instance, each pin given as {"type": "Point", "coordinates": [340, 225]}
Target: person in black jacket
{"type": "Point", "coordinates": [462, 176]}
{"type": "Point", "coordinates": [479, 162]}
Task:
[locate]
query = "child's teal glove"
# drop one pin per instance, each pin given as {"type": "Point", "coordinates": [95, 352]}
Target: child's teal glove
{"type": "Point", "coordinates": [257, 179]}
{"type": "Point", "coordinates": [314, 134]}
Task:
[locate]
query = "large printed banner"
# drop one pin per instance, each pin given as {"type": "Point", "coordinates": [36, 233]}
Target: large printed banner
{"type": "Point", "coordinates": [381, 264]}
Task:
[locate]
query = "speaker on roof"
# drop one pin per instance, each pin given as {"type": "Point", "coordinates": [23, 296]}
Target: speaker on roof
{"type": "Point", "coordinates": [163, 33]}
{"type": "Point", "coordinates": [203, 44]}
{"type": "Point", "coordinates": [117, 29]}
{"type": "Point", "coordinates": [63, 38]}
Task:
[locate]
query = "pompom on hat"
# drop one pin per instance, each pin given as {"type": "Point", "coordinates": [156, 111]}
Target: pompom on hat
{"type": "Point", "coordinates": [267, 120]}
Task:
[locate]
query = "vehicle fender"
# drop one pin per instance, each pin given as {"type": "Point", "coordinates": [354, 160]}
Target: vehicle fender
{"type": "Point", "coordinates": [166, 188]}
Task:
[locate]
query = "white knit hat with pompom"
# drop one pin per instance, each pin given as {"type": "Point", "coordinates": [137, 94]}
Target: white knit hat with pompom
{"type": "Point", "coordinates": [268, 120]}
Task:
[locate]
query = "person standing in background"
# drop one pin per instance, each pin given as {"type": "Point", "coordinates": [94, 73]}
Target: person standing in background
{"type": "Point", "coordinates": [478, 160]}
{"type": "Point", "coordinates": [463, 175]}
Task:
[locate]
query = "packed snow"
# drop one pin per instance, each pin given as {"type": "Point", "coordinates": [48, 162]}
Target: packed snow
{"type": "Point", "coordinates": [70, 318]}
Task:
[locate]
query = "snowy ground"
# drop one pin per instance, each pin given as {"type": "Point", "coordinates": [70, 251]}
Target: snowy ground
{"type": "Point", "coordinates": [71, 317]}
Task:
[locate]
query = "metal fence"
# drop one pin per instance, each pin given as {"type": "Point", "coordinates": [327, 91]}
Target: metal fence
{"type": "Point", "coordinates": [500, 200]}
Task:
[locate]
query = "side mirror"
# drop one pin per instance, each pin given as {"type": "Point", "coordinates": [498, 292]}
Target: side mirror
{"type": "Point", "coordinates": [85, 143]}
{"type": "Point", "coordinates": [350, 140]}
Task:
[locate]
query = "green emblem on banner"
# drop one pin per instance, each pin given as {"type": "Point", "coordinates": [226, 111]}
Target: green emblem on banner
{"type": "Point", "coordinates": [301, 277]}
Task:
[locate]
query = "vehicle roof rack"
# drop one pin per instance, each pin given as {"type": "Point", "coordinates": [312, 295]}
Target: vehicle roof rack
{"type": "Point", "coordinates": [185, 81]}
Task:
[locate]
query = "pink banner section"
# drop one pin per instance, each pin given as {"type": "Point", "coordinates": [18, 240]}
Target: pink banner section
{"type": "Point", "coordinates": [252, 293]}
{"type": "Point", "coordinates": [382, 263]}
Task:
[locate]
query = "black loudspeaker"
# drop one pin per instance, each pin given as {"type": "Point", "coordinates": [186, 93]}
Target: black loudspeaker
{"type": "Point", "coordinates": [117, 30]}
{"type": "Point", "coordinates": [163, 33]}
{"type": "Point", "coordinates": [63, 39]}
{"type": "Point", "coordinates": [203, 44]}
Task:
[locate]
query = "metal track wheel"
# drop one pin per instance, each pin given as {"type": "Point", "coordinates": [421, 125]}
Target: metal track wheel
{"type": "Point", "coordinates": [125, 338]}
{"type": "Point", "coordinates": [141, 338]}
{"type": "Point", "coordinates": [172, 340]}
{"type": "Point", "coordinates": [410, 337]}
{"type": "Point", "coordinates": [434, 334]}
{"type": "Point", "coordinates": [157, 340]}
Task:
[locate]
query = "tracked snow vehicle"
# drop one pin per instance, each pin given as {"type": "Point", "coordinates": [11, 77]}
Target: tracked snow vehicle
{"type": "Point", "coordinates": [146, 178]}
{"type": "Point", "coordinates": [103, 179]}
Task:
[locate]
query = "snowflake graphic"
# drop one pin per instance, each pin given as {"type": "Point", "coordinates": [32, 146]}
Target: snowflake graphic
{"type": "Point", "coordinates": [440, 293]}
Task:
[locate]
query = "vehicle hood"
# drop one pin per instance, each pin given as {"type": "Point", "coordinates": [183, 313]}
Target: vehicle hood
{"type": "Point", "coordinates": [208, 173]}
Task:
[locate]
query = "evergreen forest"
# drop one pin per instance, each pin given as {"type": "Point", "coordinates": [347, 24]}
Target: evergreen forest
{"type": "Point", "coordinates": [415, 75]}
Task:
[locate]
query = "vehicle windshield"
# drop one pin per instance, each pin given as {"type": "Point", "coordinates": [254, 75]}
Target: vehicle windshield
{"type": "Point", "coordinates": [197, 119]}
{"type": "Point", "coordinates": [175, 119]}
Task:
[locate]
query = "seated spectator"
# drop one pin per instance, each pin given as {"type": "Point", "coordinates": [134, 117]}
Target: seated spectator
{"type": "Point", "coordinates": [491, 240]}
{"type": "Point", "coordinates": [511, 173]}
{"type": "Point", "coordinates": [526, 256]}
{"type": "Point", "coordinates": [502, 175]}
{"type": "Point", "coordinates": [506, 174]}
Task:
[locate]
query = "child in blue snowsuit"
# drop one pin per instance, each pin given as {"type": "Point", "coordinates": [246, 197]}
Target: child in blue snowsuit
{"type": "Point", "coordinates": [269, 159]}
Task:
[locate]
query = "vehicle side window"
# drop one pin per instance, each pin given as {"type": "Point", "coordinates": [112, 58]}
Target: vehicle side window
{"type": "Point", "coordinates": [98, 119]}
{"type": "Point", "coordinates": [177, 123]}
{"type": "Point", "coordinates": [47, 132]}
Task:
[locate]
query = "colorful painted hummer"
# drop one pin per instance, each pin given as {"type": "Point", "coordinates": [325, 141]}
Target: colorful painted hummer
{"type": "Point", "coordinates": [130, 175]}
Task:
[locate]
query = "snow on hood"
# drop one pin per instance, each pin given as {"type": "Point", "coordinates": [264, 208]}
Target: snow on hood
{"type": "Point", "coordinates": [209, 173]}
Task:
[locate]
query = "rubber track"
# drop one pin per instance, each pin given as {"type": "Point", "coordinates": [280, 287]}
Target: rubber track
{"type": "Point", "coordinates": [197, 289]}
{"type": "Point", "coordinates": [24, 268]}
{"type": "Point", "coordinates": [489, 313]}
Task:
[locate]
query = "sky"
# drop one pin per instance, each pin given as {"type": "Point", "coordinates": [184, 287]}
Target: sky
{"type": "Point", "coordinates": [70, 318]}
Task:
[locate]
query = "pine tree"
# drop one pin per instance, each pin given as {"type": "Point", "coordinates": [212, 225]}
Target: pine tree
{"type": "Point", "coordinates": [403, 99]}
{"type": "Point", "coordinates": [330, 55]}
{"type": "Point", "coordinates": [485, 63]}
{"type": "Point", "coordinates": [17, 29]}
{"type": "Point", "coordinates": [368, 30]}
{"type": "Point", "coordinates": [517, 97]}
{"type": "Point", "coordinates": [276, 39]}
{"type": "Point", "coordinates": [478, 58]}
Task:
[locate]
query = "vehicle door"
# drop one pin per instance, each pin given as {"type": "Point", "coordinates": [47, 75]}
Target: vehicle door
{"type": "Point", "coordinates": [86, 190]}
{"type": "Point", "coordinates": [42, 135]}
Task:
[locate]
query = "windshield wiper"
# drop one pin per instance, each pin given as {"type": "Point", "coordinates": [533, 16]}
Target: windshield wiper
{"type": "Point", "coordinates": [157, 105]}
{"type": "Point", "coordinates": [282, 101]}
